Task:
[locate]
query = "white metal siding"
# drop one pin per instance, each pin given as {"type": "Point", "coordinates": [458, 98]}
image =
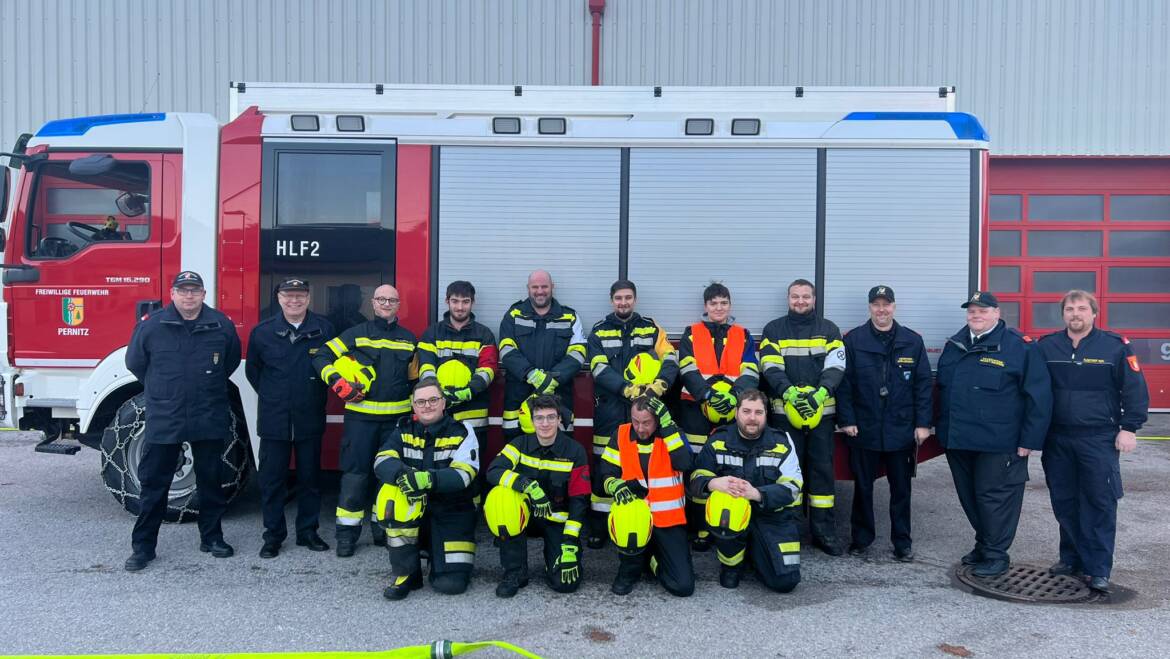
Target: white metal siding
{"type": "Point", "coordinates": [899, 217]}
{"type": "Point", "coordinates": [506, 211]}
{"type": "Point", "coordinates": [745, 217]}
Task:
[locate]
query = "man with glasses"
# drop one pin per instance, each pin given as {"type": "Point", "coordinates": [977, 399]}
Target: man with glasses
{"type": "Point", "coordinates": [384, 354]}
{"type": "Point", "coordinates": [183, 355]}
{"type": "Point", "coordinates": [429, 461]}
{"type": "Point", "coordinates": [542, 347]}
{"type": "Point", "coordinates": [290, 414]}
{"type": "Point", "coordinates": [551, 469]}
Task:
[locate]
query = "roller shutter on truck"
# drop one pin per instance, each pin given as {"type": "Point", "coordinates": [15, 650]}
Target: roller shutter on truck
{"type": "Point", "coordinates": [903, 218]}
{"type": "Point", "coordinates": [505, 211]}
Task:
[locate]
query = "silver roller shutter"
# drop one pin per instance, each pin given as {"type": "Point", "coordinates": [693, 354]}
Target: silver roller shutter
{"type": "Point", "coordinates": [505, 211]}
{"type": "Point", "coordinates": [899, 217]}
{"type": "Point", "coordinates": [746, 217]}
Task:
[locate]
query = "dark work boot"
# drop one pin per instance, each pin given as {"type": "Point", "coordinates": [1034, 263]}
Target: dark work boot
{"type": "Point", "coordinates": [401, 586]}
{"type": "Point", "coordinates": [729, 576]}
{"type": "Point", "coordinates": [511, 584]}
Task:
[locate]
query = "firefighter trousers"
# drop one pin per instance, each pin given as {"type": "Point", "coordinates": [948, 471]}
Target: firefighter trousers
{"type": "Point", "coordinates": [273, 471]}
{"type": "Point", "coordinates": [360, 440]}
{"type": "Point", "coordinates": [1084, 483]}
{"type": "Point", "coordinates": [514, 552]}
{"type": "Point", "coordinates": [990, 487]}
{"type": "Point", "coordinates": [669, 557]}
{"type": "Point", "coordinates": [899, 470]}
{"type": "Point", "coordinates": [772, 544]}
{"type": "Point", "coordinates": [815, 449]}
{"type": "Point", "coordinates": [696, 428]}
{"type": "Point", "coordinates": [447, 531]}
{"type": "Point", "coordinates": [156, 471]}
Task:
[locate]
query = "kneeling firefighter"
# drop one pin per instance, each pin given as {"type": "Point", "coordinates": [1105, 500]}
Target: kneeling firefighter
{"type": "Point", "coordinates": [549, 471]}
{"type": "Point", "coordinates": [752, 477]}
{"type": "Point", "coordinates": [645, 460]}
{"type": "Point", "coordinates": [427, 466]}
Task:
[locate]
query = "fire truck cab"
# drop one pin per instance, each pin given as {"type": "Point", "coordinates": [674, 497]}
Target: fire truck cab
{"type": "Point", "coordinates": [351, 186]}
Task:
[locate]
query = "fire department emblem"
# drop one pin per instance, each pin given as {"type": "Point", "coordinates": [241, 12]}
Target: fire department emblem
{"type": "Point", "coordinates": [73, 310]}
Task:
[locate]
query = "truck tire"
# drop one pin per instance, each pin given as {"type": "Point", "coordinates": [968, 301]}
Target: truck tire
{"type": "Point", "coordinates": [122, 449]}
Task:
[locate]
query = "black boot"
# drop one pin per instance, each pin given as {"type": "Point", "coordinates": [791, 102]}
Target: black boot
{"type": "Point", "coordinates": [628, 575]}
{"type": "Point", "coordinates": [729, 576]}
{"type": "Point", "coordinates": [401, 586]}
{"type": "Point", "coordinates": [512, 582]}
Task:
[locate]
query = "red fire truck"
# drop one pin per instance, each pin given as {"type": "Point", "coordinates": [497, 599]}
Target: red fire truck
{"type": "Point", "coordinates": [351, 186]}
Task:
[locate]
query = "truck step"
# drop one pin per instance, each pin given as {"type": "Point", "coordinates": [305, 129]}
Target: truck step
{"type": "Point", "coordinates": [58, 445]}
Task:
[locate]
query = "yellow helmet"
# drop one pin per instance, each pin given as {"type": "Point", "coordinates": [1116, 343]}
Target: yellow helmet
{"type": "Point", "coordinates": [727, 515]}
{"type": "Point", "coordinates": [453, 374]}
{"type": "Point", "coordinates": [630, 525]}
{"type": "Point", "coordinates": [796, 420]}
{"type": "Point", "coordinates": [643, 368]}
{"type": "Point", "coordinates": [392, 505]}
{"type": "Point", "coordinates": [353, 371]}
{"type": "Point", "coordinates": [506, 512]}
{"type": "Point", "coordinates": [526, 425]}
{"type": "Point", "coordinates": [713, 416]}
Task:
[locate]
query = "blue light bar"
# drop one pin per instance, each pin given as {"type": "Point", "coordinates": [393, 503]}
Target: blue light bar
{"type": "Point", "coordinates": [80, 125]}
{"type": "Point", "coordinates": [966, 126]}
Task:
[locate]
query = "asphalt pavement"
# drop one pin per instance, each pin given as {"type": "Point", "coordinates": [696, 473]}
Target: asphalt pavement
{"type": "Point", "coordinates": [62, 588]}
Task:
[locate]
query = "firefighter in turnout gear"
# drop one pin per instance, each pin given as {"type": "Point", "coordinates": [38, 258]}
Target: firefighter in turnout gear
{"type": "Point", "coordinates": [457, 340]}
{"type": "Point", "coordinates": [432, 460]}
{"type": "Point", "coordinates": [802, 358]}
{"type": "Point", "coordinates": [995, 404]}
{"type": "Point", "coordinates": [552, 470]}
{"type": "Point", "coordinates": [1100, 401]}
{"type": "Point", "coordinates": [385, 355]}
{"type": "Point", "coordinates": [542, 347]}
{"type": "Point", "coordinates": [750, 460]}
{"type": "Point", "coordinates": [646, 459]}
{"type": "Point", "coordinates": [614, 342]}
{"type": "Point", "coordinates": [717, 360]}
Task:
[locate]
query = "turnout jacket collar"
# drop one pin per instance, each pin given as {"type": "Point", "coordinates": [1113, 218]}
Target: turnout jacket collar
{"type": "Point", "coordinates": [383, 324]}
{"type": "Point", "coordinates": [310, 327]}
{"type": "Point", "coordinates": [555, 309]}
{"type": "Point", "coordinates": [712, 324]}
{"type": "Point", "coordinates": [446, 322]}
{"type": "Point", "coordinates": [612, 319]}
{"type": "Point", "coordinates": [802, 318]}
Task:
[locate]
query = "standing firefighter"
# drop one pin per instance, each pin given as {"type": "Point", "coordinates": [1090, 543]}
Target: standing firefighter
{"type": "Point", "coordinates": [542, 347]}
{"type": "Point", "coordinates": [428, 466]}
{"type": "Point", "coordinates": [369, 366]}
{"type": "Point", "coordinates": [462, 355]}
{"type": "Point", "coordinates": [995, 403]}
{"type": "Point", "coordinates": [540, 487]}
{"type": "Point", "coordinates": [1100, 401]}
{"type": "Point", "coordinates": [803, 361]}
{"type": "Point", "coordinates": [290, 413]}
{"type": "Point", "coordinates": [645, 461]}
{"type": "Point", "coordinates": [717, 362]}
{"type": "Point", "coordinates": [629, 355]}
{"type": "Point", "coordinates": [884, 407]}
{"type": "Point", "coordinates": [751, 476]}
{"type": "Point", "coordinates": [183, 355]}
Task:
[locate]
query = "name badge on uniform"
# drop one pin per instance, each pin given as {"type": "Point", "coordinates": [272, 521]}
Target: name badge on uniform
{"type": "Point", "coordinates": [215, 358]}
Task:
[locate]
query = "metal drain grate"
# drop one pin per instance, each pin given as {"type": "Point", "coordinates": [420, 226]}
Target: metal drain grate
{"type": "Point", "coordinates": [1028, 583]}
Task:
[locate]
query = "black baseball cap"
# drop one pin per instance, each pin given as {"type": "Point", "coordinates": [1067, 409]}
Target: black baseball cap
{"type": "Point", "coordinates": [293, 284]}
{"type": "Point", "coordinates": [881, 291]}
{"type": "Point", "coordinates": [981, 299]}
{"type": "Point", "coordinates": [187, 278]}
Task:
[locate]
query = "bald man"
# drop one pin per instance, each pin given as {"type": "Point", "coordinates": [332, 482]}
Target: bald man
{"type": "Point", "coordinates": [542, 347]}
{"type": "Point", "coordinates": [376, 391]}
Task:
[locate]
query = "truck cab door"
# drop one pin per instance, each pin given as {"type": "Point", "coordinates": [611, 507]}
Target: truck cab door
{"type": "Point", "coordinates": [87, 229]}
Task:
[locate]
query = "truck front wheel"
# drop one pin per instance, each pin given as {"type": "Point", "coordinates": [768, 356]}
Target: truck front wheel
{"type": "Point", "coordinates": [123, 444]}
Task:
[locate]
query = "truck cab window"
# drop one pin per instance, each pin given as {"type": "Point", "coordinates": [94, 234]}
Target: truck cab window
{"type": "Point", "coordinates": [69, 212]}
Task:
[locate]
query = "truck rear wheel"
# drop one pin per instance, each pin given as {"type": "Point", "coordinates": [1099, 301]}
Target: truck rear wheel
{"type": "Point", "coordinates": [123, 444]}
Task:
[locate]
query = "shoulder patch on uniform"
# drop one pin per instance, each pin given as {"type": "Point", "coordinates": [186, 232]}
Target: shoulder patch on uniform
{"type": "Point", "coordinates": [1134, 366]}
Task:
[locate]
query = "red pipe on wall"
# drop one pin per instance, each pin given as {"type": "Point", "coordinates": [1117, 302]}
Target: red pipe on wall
{"type": "Point", "coordinates": [596, 9]}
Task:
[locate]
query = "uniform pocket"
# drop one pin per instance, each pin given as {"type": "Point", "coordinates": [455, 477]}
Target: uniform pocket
{"type": "Point", "coordinates": [1016, 470]}
{"type": "Point", "coordinates": [1115, 482]}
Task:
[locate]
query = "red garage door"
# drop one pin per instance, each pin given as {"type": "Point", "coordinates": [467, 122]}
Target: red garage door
{"type": "Point", "coordinates": [1098, 224]}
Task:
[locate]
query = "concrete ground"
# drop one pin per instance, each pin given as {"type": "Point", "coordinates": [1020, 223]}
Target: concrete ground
{"type": "Point", "coordinates": [62, 588]}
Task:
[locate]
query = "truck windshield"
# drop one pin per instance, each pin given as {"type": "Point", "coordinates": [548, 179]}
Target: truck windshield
{"type": "Point", "coordinates": [69, 212]}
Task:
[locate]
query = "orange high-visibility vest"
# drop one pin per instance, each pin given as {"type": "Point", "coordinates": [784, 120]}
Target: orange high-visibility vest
{"type": "Point", "coordinates": [667, 498]}
{"type": "Point", "coordinates": [729, 364]}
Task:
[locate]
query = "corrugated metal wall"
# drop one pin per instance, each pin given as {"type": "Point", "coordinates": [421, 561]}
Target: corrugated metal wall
{"type": "Point", "coordinates": [1045, 76]}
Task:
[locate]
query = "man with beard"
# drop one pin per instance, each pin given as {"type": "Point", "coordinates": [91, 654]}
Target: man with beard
{"type": "Point", "coordinates": [803, 361]}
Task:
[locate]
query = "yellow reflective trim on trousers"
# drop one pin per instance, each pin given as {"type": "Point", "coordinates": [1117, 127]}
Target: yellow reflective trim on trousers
{"type": "Point", "coordinates": [511, 415]}
{"type": "Point", "coordinates": [572, 528]}
{"type": "Point", "coordinates": [398, 531]}
{"type": "Point", "coordinates": [789, 547]}
{"type": "Point", "coordinates": [459, 545]}
{"type": "Point", "coordinates": [376, 407]}
{"type": "Point", "coordinates": [559, 517]}
{"type": "Point", "coordinates": [820, 500]}
{"type": "Point", "coordinates": [349, 517]}
{"type": "Point", "coordinates": [733, 560]}
{"type": "Point", "coordinates": [387, 344]}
